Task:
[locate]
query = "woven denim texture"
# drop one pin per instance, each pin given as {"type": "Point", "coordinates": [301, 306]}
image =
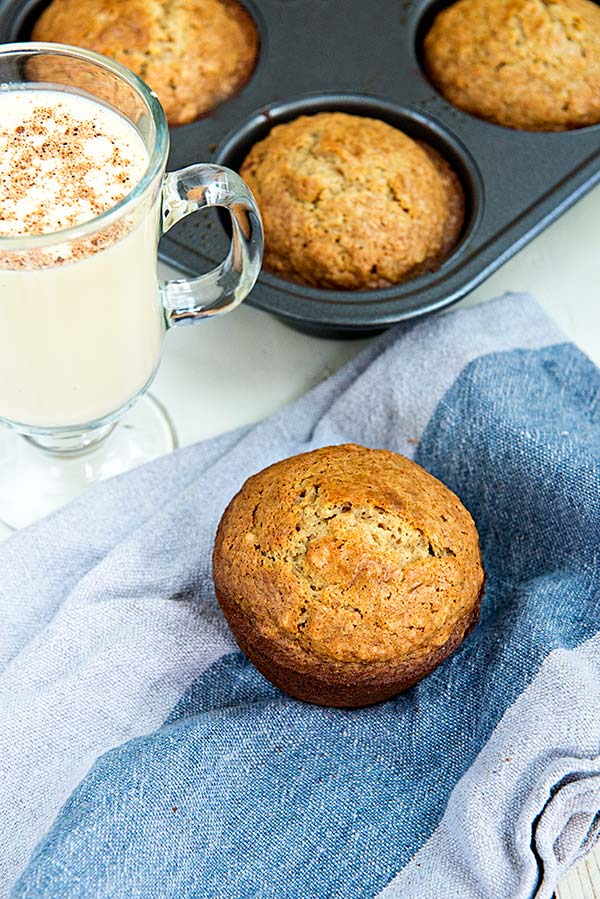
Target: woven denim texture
{"type": "Point", "coordinates": [198, 778]}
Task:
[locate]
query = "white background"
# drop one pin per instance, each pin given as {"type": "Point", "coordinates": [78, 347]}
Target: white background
{"type": "Point", "coordinates": [243, 366]}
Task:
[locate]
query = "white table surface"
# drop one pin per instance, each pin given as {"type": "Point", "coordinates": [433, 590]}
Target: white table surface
{"type": "Point", "coordinates": [242, 367]}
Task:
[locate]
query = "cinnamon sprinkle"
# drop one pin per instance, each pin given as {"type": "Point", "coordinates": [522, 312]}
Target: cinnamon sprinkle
{"type": "Point", "coordinates": [59, 169]}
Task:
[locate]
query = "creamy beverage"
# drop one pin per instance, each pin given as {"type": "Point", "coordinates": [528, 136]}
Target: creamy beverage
{"type": "Point", "coordinates": [81, 323]}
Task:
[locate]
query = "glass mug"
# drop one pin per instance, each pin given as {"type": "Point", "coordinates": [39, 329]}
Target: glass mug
{"type": "Point", "coordinates": [82, 313]}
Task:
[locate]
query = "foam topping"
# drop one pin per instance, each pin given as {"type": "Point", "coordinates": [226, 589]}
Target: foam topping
{"type": "Point", "coordinates": [64, 160]}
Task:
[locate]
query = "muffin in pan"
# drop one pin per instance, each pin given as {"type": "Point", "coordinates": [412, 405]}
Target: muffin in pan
{"type": "Point", "coordinates": [352, 203]}
{"type": "Point", "coordinates": [527, 64]}
{"type": "Point", "coordinates": [347, 574]}
{"type": "Point", "coordinates": [193, 53]}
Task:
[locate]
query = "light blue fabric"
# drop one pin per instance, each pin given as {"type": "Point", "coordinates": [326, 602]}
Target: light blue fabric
{"type": "Point", "coordinates": [243, 792]}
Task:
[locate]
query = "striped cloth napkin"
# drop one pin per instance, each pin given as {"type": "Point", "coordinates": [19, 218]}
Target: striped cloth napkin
{"type": "Point", "coordinates": [143, 757]}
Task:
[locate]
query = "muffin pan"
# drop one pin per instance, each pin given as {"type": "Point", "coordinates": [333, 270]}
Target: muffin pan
{"type": "Point", "coordinates": [368, 62]}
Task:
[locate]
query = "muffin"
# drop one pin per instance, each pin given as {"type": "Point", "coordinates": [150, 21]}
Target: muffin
{"type": "Point", "coordinates": [193, 55]}
{"type": "Point", "coordinates": [352, 203]}
{"type": "Point", "coordinates": [347, 574]}
{"type": "Point", "coordinates": [520, 63]}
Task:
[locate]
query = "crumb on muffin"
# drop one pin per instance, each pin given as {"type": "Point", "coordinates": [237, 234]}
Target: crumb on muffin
{"type": "Point", "coordinates": [527, 64]}
{"type": "Point", "coordinates": [352, 203]}
{"type": "Point", "coordinates": [347, 574]}
{"type": "Point", "coordinates": [193, 54]}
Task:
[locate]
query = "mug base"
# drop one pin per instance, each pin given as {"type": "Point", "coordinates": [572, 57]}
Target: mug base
{"type": "Point", "coordinates": [34, 482]}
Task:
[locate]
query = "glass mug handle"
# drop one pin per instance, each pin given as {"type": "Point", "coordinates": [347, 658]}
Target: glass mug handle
{"type": "Point", "coordinates": [196, 187]}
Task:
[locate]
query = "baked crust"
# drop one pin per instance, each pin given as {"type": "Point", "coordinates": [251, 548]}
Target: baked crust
{"type": "Point", "coordinates": [347, 574]}
{"type": "Point", "coordinates": [352, 203]}
{"type": "Point", "coordinates": [193, 53]}
{"type": "Point", "coordinates": [527, 64]}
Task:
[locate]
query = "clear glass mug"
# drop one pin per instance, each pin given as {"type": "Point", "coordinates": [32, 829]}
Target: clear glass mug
{"type": "Point", "coordinates": [82, 313]}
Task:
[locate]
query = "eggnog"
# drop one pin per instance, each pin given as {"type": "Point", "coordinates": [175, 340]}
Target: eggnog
{"type": "Point", "coordinates": [81, 324]}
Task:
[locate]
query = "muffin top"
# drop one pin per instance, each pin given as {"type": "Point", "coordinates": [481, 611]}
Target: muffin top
{"type": "Point", "coordinates": [193, 54]}
{"type": "Point", "coordinates": [352, 203]}
{"type": "Point", "coordinates": [349, 554]}
{"type": "Point", "coordinates": [529, 64]}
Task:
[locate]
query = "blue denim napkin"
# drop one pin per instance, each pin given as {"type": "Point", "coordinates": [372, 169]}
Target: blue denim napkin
{"type": "Point", "coordinates": [141, 755]}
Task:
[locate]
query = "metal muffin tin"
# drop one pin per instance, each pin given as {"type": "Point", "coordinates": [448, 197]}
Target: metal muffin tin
{"type": "Point", "coordinates": [364, 58]}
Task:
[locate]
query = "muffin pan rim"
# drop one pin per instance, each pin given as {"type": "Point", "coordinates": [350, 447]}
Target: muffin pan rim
{"type": "Point", "coordinates": [354, 104]}
{"type": "Point", "coordinates": [20, 31]}
{"type": "Point", "coordinates": [419, 29]}
{"type": "Point", "coordinates": [334, 57]}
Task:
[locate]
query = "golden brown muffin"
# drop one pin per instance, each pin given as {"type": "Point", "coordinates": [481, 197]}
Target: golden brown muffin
{"type": "Point", "coordinates": [528, 64]}
{"type": "Point", "coordinates": [351, 202]}
{"type": "Point", "coordinates": [347, 574]}
{"type": "Point", "coordinates": [193, 53]}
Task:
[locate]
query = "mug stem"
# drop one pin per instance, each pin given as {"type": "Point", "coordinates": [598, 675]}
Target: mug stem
{"type": "Point", "coordinates": [197, 187]}
{"type": "Point", "coordinates": [71, 443]}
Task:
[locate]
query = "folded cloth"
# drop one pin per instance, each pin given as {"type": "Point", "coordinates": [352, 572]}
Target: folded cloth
{"type": "Point", "coordinates": [142, 757]}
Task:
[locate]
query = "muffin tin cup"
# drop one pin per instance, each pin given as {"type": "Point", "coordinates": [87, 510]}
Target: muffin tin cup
{"type": "Point", "coordinates": [346, 309]}
{"type": "Point", "coordinates": [368, 62]}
